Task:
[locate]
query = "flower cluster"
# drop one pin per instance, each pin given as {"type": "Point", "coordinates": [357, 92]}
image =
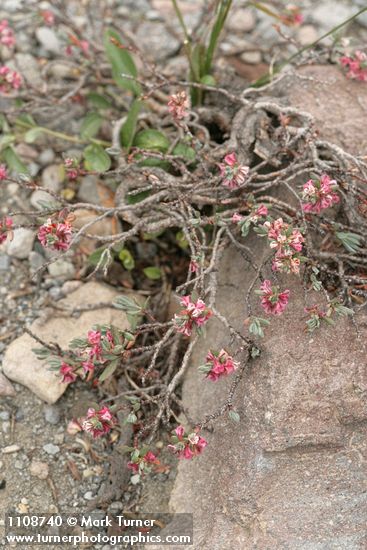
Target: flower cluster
{"type": "Point", "coordinates": [9, 80]}
{"type": "Point", "coordinates": [5, 228]}
{"type": "Point", "coordinates": [55, 234]}
{"type": "Point", "coordinates": [73, 168]}
{"type": "Point", "coordinates": [292, 16]}
{"type": "Point", "coordinates": [81, 45]}
{"type": "Point", "coordinates": [218, 364]}
{"type": "Point", "coordinates": [101, 348]}
{"type": "Point", "coordinates": [187, 445]}
{"type": "Point", "coordinates": [356, 65]}
{"type": "Point", "coordinates": [99, 422]}
{"type": "Point", "coordinates": [7, 37]}
{"type": "Point", "coordinates": [48, 17]}
{"type": "Point", "coordinates": [195, 315]}
{"type": "Point", "coordinates": [288, 244]}
{"type": "Point", "coordinates": [319, 194]}
{"type": "Point", "coordinates": [232, 172]}
{"type": "Point", "coordinates": [178, 105]}
{"type": "Point", "coordinates": [273, 301]}
{"type": "Point", "coordinates": [141, 461]}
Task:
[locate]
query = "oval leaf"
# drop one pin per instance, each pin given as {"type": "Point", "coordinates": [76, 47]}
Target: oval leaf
{"type": "Point", "coordinates": [153, 273]}
{"type": "Point", "coordinates": [90, 125]}
{"type": "Point", "coordinates": [96, 158]}
{"type": "Point", "coordinates": [121, 62]}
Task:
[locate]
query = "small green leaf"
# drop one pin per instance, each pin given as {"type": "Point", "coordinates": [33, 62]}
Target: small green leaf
{"type": "Point", "coordinates": [127, 259]}
{"type": "Point", "coordinates": [129, 127]}
{"type": "Point", "coordinates": [208, 80]}
{"type": "Point", "coordinates": [96, 158]}
{"type": "Point", "coordinates": [94, 258]}
{"type": "Point", "coordinates": [33, 134]}
{"type": "Point", "coordinates": [99, 101]}
{"type": "Point", "coordinates": [185, 151]}
{"type": "Point", "coordinates": [6, 140]}
{"type": "Point", "coordinates": [233, 415]}
{"type": "Point", "coordinates": [151, 140]}
{"type": "Point", "coordinates": [108, 371]}
{"type": "Point", "coordinates": [121, 62]}
{"type": "Point", "coordinates": [13, 161]}
{"type": "Point", "coordinates": [91, 125]}
{"type": "Point", "coordinates": [153, 273]}
{"type": "Point", "coordinates": [131, 418]}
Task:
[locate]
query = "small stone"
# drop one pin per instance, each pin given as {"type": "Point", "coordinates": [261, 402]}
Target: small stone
{"type": "Point", "coordinates": [40, 198]}
{"type": "Point", "coordinates": [36, 260]}
{"type": "Point", "coordinates": [46, 157]}
{"type": "Point", "coordinates": [52, 414]}
{"type": "Point", "coordinates": [70, 286]}
{"type": "Point", "coordinates": [56, 293]}
{"type": "Point", "coordinates": [22, 243]}
{"type": "Point", "coordinates": [307, 34]}
{"type": "Point", "coordinates": [156, 40]}
{"type": "Point", "coordinates": [88, 190]}
{"type": "Point", "coordinates": [61, 269]}
{"type": "Point", "coordinates": [48, 39]}
{"type": "Point", "coordinates": [10, 449]}
{"type": "Point", "coordinates": [18, 465]}
{"type": "Point", "coordinates": [4, 415]}
{"type": "Point", "coordinates": [4, 262]}
{"type": "Point", "coordinates": [241, 20]}
{"type": "Point", "coordinates": [53, 176]}
{"type": "Point", "coordinates": [39, 469]}
{"type": "Point", "coordinates": [29, 69]}
{"type": "Point", "coordinates": [51, 449]}
{"type": "Point", "coordinates": [253, 58]}
{"type": "Point", "coordinates": [88, 495]}
{"type": "Point", "coordinates": [62, 70]}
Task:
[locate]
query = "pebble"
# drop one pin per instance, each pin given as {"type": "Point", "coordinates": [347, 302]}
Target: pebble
{"type": "Point", "coordinates": [53, 176]}
{"type": "Point", "coordinates": [6, 388]}
{"type": "Point", "coordinates": [18, 465]}
{"type": "Point", "coordinates": [307, 34]}
{"type": "Point", "coordinates": [88, 495]}
{"type": "Point", "coordinates": [46, 157]}
{"type": "Point", "coordinates": [10, 449]}
{"type": "Point", "coordinates": [51, 449]}
{"type": "Point", "coordinates": [159, 45]}
{"type": "Point", "coordinates": [36, 260]}
{"type": "Point", "coordinates": [253, 58]}
{"type": "Point", "coordinates": [52, 414]}
{"type": "Point", "coordinates": [48, 39]}
{"type": "Point", "coordinates": [39, 469]}
{"type": "Point", "coordinates": [70, 286]}
{"type": "Point", "coordinates": [39, 197]}
{"type": "Point", "coordinates": [61, 269]}
{"type": "Point", "coordinates": [22, 243]}
{"type": "Point", "coordinates": [4, 415]}
{"type": "Point", "coordinates": [88, 190]}
{"type": "Point", "coordinates": [56, 293]}
{"type": "Point", "coordinates": [29, 69]}
{"type": "Point", "coordinates": [241, 20]}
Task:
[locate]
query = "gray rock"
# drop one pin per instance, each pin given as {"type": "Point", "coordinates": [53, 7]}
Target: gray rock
{"type": "Point", "coordinates": [329, 14]}
{"type": "Point", "coordinates": [29, 69]}
{"type": "Point", "coordinates": [51, 449]}
{"type": "Point", "coordinates": [61, 269]}
{"type": "Point", "coordinates": [56, 293]}
{"type": "Point", "coordinates": [156, 41]}
{"type": "Point", "coordinates": [36, 260]}
{"type": "Point", "coordinates": [88, 190]}
{"type": "Point", "coordinates": [241, 20]}
{"type": "Point", "coordinates": [46, 157]}
{"type": "Point", "coordinates": [4, 262]}
{"type": "Point", "coordinates": [21, 365]}
{"type": "Point", "coordinates": [4, 415]}
{"type": "Point", "coordinates": [39, 199]}
{"type": "Point", "coordinates": [48, 39]}
{"type": "Point", "coordinates": [52, 414]}
{"type": "Point", "coordinates": [53, 177]}
{"type": "Point", "coordinates": [70, 286]}
{"type": "Point", "coordinates": [88, 495]}
{"type": "Point", "coordinates": [22, 243]}
{"type": "Point", "coordinates": [251, 57]}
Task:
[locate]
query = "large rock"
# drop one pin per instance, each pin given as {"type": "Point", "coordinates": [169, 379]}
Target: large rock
{"type": "Point", "coordinates": [292, 474]}
{"type": "Point", "coordinates": [21, 365]}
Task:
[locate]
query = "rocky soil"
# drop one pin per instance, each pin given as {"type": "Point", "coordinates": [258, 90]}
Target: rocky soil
{"type": "Point", "coordinates": [295, 427]}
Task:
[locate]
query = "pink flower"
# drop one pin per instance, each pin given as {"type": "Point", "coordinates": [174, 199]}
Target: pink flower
{"type": "Point", "coordinates": [187, 445]}
{"type": "Point", "coordinates": [195, 314]}
{"type": "Point", "coordinates": [286, 264]}
{"type": "Point", "coordinates": [194, 266]}
{"type": "Point", "coordinates": [134, 466]}
{"type": "Point", "coordinates": [99, 422]}
{"type": "Point", "coordinates": [48, 17]}
{"type": "Point", "coordinates": [141, 463]}
{"type": "Point", "coordinates": [292, 16]}
{"type": "Point", "coordinates": [319, 194]}
{"type": "Point", "coordinates": [9, 80]}
{"type": "Point", "coordinates": [3, 172]}
{"type": "Point", "coordinates": [5, 228]}
{"type": "Point", "coordinates": [56, 235]}
{"type": "Point", "coordinates": [273, 301]}
{"type": "Point", "coordinates": [94, 337]}
{"type": "Point", "coordinates": [357, 65]}
{"type": "Point", "coordinates": [283, 237]}
{"type": "Point", "coordinates": [261, 211]}
{"type": "Point", "coordinates": [150, 457]}
{"type": "Point", "coordinates": [236, 217]}
{"type": "Point", "coordinates": [178, 105]}
{"type": "Point", "coordinates": [233, 173]}
{"type": "Point", "coordinates": [7, 37]}
{"type": "Point", "coordinates": [218, 365]}
{"type": "Point", "coordinates": [67, 373]}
